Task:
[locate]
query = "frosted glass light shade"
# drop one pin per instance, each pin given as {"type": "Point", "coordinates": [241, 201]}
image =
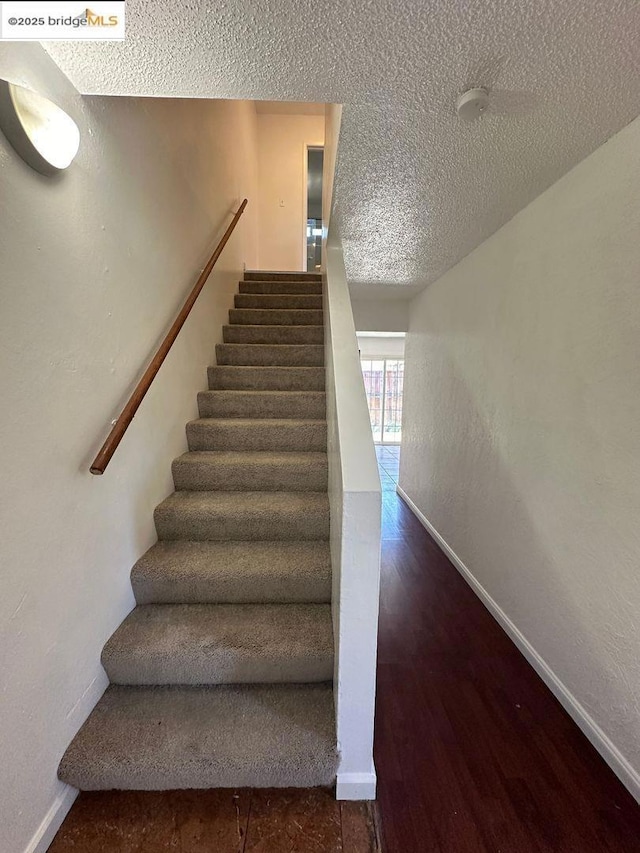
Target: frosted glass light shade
{"type": "Point", "coordinates": [43, 134]}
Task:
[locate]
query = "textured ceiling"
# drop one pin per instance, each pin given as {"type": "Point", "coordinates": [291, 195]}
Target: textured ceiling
{"type": "Point", "coordinates": [416, 189]}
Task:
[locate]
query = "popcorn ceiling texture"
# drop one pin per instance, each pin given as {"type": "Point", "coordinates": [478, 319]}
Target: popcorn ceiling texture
{"type": "Point", "coordinates": [416, 189]}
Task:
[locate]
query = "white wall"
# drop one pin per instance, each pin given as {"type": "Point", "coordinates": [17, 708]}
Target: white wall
{"type": "Point", "coordinates": [521, 434]}
{"type": "Point", "coordinates": [282, 141]}
{"type": "Point", "coordinates": [94, 266]}
{"type": "Point", "coordinates": [381, 347]}
{"type": "Point", "coordinates": [380, 315]}
{"type": "Point", "coordinates": [355, 507]}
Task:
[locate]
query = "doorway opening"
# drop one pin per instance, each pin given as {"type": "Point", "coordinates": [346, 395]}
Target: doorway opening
{"type": "Point", "coordinates": [383, 381]}
{"type": "Point", "coordinates": [382, 363]}
{"type": "Point", "coordinates": [313, 238]}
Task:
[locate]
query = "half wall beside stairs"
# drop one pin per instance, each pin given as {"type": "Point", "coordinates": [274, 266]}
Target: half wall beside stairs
{"type": "Point", "coordinates": [355, 509]}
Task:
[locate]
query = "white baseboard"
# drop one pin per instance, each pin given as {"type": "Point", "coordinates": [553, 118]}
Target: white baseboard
{"type": "Point", "coordinates": [629, 777]}
{"type": "Point", "coordinates": [356, 786]}
{"type": "Point", "coordinates": [52, 821]}
{"type": "Point", "coordinates": [60, 807]}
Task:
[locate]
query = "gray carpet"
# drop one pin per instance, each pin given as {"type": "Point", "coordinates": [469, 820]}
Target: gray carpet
{"type": "Point", "coordinates": [275, 355]}
{"type": "Point", "coordinates": [276, 316]}
{"type": "Point", "coordinates": [222, 644]}
{"type": "Point", "coordinates": [243, 515]}
{"type": "Point", "coordinates": [174, 572]}
{"type": "Point", "coordinates": [278, 300]}
{"type": "Point", "coordinates": [266, 378]}
{"type": "Point", "coordinates": [244, 470]}
{"type": "Point", "coordinates": [273, 334]}
{"type": "Point", "coordinates": [280, 275]}
{"type": "Point", "coordinates": [281, 286]}
{"type": "Point", "coordinates": [162, 738]}
{"type": "Point", "coordinates": [302, 405]}
{"type": "Point", "coordinates": [221, 676]}
{"type": "Point", "coordinates": [257, 434]}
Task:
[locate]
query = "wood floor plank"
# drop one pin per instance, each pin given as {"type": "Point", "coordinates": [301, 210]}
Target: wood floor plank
{"type": "Point", "coordinates": [305, 821]}
{"type": "Point", "coordinates": [155, 821]}
{"type": "Point", "coordinates": [358, 830]}
{"type": "Point", "coordinates": [472, 750]}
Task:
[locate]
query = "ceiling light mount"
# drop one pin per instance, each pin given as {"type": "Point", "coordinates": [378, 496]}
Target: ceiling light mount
{"type": "Point", "coordinates": [472, 104]}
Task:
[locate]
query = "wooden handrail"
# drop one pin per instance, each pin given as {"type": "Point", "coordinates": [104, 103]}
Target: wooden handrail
{"type": "Point", "coordinates": [120, 427]}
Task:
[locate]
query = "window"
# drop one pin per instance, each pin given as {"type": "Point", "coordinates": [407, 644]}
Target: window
{"type": "Point", "coordinates": [383, 379]}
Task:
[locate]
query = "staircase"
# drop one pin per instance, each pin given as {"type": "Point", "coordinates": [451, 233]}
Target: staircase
{"type": "Point", "coordinates": [222, 675]}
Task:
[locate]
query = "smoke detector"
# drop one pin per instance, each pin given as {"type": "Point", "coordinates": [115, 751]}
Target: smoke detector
{"type": "Point", "coordinates": [472, 104]}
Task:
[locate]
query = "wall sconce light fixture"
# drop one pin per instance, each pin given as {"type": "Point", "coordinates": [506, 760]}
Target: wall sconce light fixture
{"type": "Point", "coordinates": [43, 134]}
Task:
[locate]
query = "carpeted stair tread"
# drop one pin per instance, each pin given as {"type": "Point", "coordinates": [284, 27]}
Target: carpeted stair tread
{"type": "Point", "coordinates": [262, 404]}
{"type": "Point", "coordinates": [265, 378]}
{"type": "Point", "coordinates": [314, 287]}
{"type": "Point", "coordinates": [251, 470]}
{"type": "Point", "coordinates": [278, 300]}
{"type": "Point", "coordinates": [243, 516]}
{"type": "Point", "coordinates": [273, 334]}
{"type": "Point", "coordinates": [233, 573]}
{"type": "Point", "coordinates": [276, 316]}
{"type": "Point", "coordinates": [162, 738]}
{"type": "Point", "coordinates": [270, 355]}
{"type": "Point", "coordinates": [257, 434]}
{"type": "Point", "coordinates": [222, 644]}
{"type": "Point", "coordinates": [281, 275]}
{"type": "Point", "coordinates": [222, 675]}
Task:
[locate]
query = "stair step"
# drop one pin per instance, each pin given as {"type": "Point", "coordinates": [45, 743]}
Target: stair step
{"type": "Point", "coordinates": [233, 573]}
{"type": "Point", "coordinates": [270, 355]}
{"type": "Point", "coordinates": [257, 434]}
{"type": "Point", "coordinates": [243, 516]}
{"type": "Point", "coordinates": [273, 334]}
{"type": "Point", "coordinates": [222, 644]}
{"type": "Point", "coordinates": [281, 275]}
{"type": "Point", "coordinates": [278, 300]}
{"type": "Point", "coordinates": [275, 317]}
{"type": "Point", "coordinates": [163, 738]}
{"type": "Point", "coordinates": [250, 470]}
{"type": "Point", "coordinates": [262, 404]}
{"type": "Point", "coordinates": [313, 287]}
{"type": "Point", "coordinates": [222, 675]}
{"type": "Point", "coordinates": [266, 378]}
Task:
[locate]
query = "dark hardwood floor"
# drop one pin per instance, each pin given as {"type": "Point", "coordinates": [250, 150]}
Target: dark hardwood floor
{"type": "Point", "coordinates": [473, 752]}
{"type": "Point", "coordinates": [217, 821]}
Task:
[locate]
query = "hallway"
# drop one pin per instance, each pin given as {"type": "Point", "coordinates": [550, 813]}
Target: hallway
{"type": "Point", "coordinates": [388, 456]}
{"type": "Point", "coordinates": [473, 753]}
